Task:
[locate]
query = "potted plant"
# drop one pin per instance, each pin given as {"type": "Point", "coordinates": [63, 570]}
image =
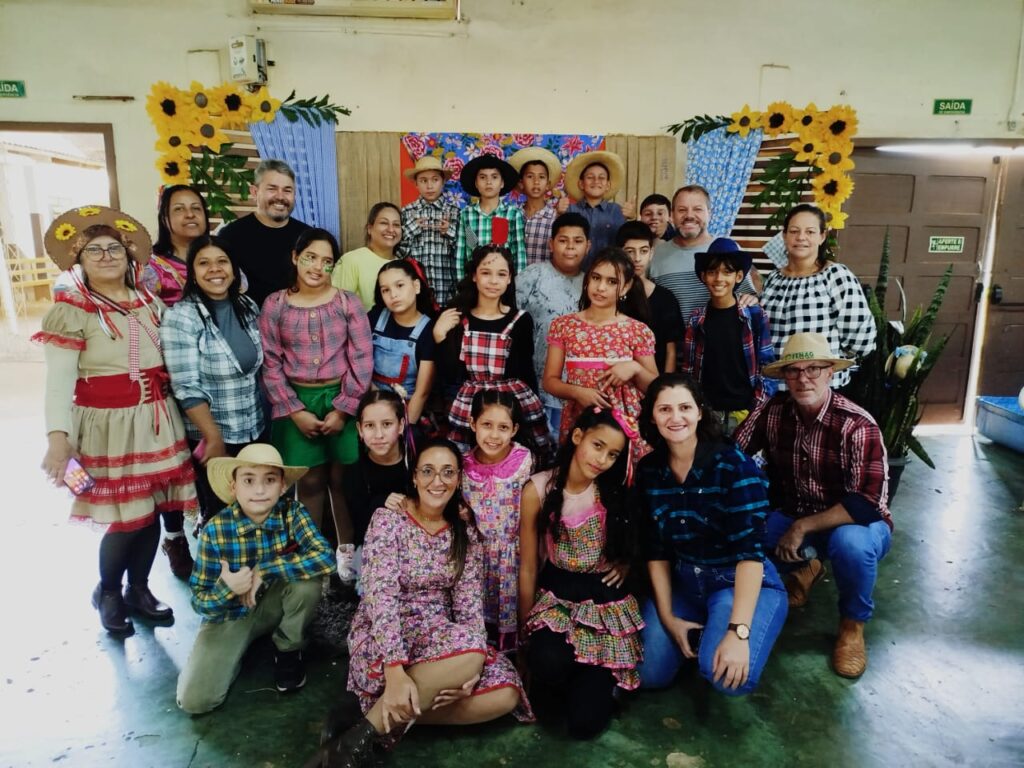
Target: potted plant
{"type": "Point", "coordinates": [891, 376]}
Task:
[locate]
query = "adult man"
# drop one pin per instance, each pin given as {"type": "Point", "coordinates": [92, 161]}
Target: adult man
{"type": "Point", "coordinates": [827, 473]}
{"type": "Point", "coordinates": [672, 265]}
{"type": "Point", "coordinates": [263, 241]}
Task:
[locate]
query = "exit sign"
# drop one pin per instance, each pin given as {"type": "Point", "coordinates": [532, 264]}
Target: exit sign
{"type": "Point", "coordinates": [12, 89]}
{"type": "Point", "coordinates": [952, 106]}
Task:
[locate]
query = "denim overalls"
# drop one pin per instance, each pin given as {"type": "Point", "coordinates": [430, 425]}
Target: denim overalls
{"type": "Point", "coordinates": [394, 360]}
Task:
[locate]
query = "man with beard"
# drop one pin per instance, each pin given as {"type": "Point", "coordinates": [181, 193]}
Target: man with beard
{"type": "Point", "coordinates": [673, 261]}
{"type": "Point", "coordinates": [263, 241]}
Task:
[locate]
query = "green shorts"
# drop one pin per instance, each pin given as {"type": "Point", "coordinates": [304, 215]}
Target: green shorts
{"type": "Point", "coordinates": [297, 450]}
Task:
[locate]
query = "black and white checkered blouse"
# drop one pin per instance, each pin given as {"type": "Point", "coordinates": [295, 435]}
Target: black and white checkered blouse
{"type": "Point", "coordinates": [830, 302]}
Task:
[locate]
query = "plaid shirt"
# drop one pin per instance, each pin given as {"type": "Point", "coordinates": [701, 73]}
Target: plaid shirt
{"type": "Point", "coordinates": [203, 367]}
{"type": "Point", "coordinates": [422, 240]}
{"type": "Point", "coordinates": [287, 546]}
{"type": "Point", "coordinates": [715, 517]}
{"type": "Point", "coordinates": [757, 348]}
{"type": "Point", "coordinates": [475, 229]}
{"type": "Point", "coordinates": [839, 458]}
{"type": "Point", "coordinates": [321, 343]}
{"type": "Point", "coordinates": [538, 233]}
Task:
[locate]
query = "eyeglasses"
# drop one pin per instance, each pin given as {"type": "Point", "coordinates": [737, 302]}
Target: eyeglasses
{"type": "Point", "coordinates": [811, 372]}
{"type": "Point", "coordinates": [115, 251]}
{"type": "Point", "coordinates": [447, 474]}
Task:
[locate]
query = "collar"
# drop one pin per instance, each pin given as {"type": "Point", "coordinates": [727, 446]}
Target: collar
{"type": "Point", "coordinates": [274, 521]}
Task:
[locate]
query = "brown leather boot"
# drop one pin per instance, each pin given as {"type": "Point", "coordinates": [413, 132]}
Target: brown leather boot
{"type": "Point", "coordinates": [179, 556]}
{"type": "Point", "coordinates": [799, 582]}
{"type": "Point", "coordinates": [850, 656]}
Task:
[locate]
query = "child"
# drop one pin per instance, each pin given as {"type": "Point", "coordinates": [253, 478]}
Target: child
{"type": "Point", "coordinates": [403, 341]}
{"type": "Point", "coordinates": [539, 171]}
{"type": "Point", "coordinates": [358, 269]}
{"type": "Point", "coordinates": [582, 628]}
{"type": "Point", "coordinates": [637, 240]}
{"type": "Point", "coordinates": [607, 354]}
{"type": "Point", "coordinates": [487, 344]}
{"type": "Point", "coordinates": [489, 221]}
{"type": "Point", "coordinates": [429, 226]}
{"type": "Point", "coordinates": [492, 484]}
{"type": "Point", "coordinates": [726, 345]}
{"type": "Point", "coordinates": [592, 179]}
{"type": "Point", "coordinates": [258, 570]}
{"type": "Point", "coordinates": [656, 213]}
{"type": "Point", "coordinates": [317, 363]}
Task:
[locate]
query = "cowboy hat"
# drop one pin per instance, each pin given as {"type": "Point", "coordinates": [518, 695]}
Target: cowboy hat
{"type": "Point", "coordinates": [221, 471]}
{"type": "Point", "coordinates": [722, 246]}
{"type": "Point", "coordinates": [802, 348]}
{"type": "Point", "coordinates": [509, 175]}
{"type": "Point", "coordinates": [427, 163]}
{"type": "Point", "coordinates": [65, 237]}
{"type": "Point", "coordinates": [576, 167]}
{"type": "Point", "coordinates": [538, 155]}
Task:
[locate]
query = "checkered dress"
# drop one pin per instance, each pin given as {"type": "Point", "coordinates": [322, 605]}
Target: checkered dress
{"type": "Point", "coordinates": [485, 355]}
{"type": "Point", "coordinates": [830, 302]}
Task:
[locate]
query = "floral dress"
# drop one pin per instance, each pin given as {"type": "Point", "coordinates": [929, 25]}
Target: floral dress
{"type": "Point", "coordinates": [414, 609]}
{"type": "Point", "coordinates": [590, 350]}
{"type": "Point", "coordinates": [493, 492]}
{"type": "Point", "coordinates": [604, 634]}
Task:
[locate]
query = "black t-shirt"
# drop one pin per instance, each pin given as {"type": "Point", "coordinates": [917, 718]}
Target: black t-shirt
{"type": "Point", "coordinates": [666, 323]}
{"type": "Point", "coordinates": [263, 253]}
{"type": "Point", "coordinates": [723, 372]}
{"type": "Point", "coordinates": [366, 486]}
{"type": "Point", "coordinates": [425, 347]}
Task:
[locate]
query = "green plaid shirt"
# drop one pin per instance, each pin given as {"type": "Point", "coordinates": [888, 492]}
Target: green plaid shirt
{"type": "Point", "coordinates": [475, 229]}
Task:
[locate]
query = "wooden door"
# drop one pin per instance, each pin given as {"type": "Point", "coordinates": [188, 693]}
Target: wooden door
{"type": "Point", "coordinates": [917, 197]}
{"type": "Point", "coordinates": [1002, 357]}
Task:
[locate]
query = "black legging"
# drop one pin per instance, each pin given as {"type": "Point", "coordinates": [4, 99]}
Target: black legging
{"type": "Point", "coordinates": [131, 551]}
{"type": "Point", "coordinates": [555, 673]}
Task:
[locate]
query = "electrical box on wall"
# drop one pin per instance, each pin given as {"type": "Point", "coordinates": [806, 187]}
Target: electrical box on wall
{"type": "Point", "coordinates": [247, 60]}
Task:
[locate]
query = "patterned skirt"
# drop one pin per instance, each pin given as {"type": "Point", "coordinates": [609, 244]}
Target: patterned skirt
{"type": "Point", "coordinates": [601, 623]}
{"type": "Point", "coordinates": [533, 413]}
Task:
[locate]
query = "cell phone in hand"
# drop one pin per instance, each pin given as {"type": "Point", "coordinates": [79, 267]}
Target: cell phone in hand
{"type": "Point", "coordinates": [693, 637]}
{"type": "Point", "coordinates": [77, 479]}
{"type": "Point", "coordinates": [200, 450]}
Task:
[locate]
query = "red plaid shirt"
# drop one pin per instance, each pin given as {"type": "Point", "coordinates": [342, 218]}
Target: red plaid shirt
{"type": "Point", "coordinates": [840, 458]}
{"type": "Point", "coordinates": [332, 341]}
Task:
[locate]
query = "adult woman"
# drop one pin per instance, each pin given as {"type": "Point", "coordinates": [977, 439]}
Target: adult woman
{"type": "Point", "coordinates": [418, 647]}
{"type": "Point", "coordinates": [212, 346]}
{"type": "Point", "coordinates": [107, 406]}
{"type": "Point", "coordinates": [716, 597]}
{"type": "Point", "coordinates": [181, 218]}
{"type": "Point", "coordinates": [359, 268]}
{"type": "Point", "coordinates": [813, 294]}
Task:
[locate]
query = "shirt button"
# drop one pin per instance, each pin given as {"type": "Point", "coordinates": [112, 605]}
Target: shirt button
{"type": "Point", "coordinates": [316, 361]}
{"type": "Point", "coordinates": [314, 337]}
{"type": "Point", "coordinates": [312, 314]}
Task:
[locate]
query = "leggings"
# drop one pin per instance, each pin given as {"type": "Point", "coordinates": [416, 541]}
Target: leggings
{"type": "Point", "coordinates": [561, 684]}
{"type": "Point", "coordinates": [131, 551]}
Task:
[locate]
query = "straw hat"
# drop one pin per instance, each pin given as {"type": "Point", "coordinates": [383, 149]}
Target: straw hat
{"type": "Point", "coordinates": [802, 348]}
{"type": "Point", "coordinates": [538, 155]}
{"type": "Point", "coordinates": [576, 166]}
{"type": "Point", "coordinates": [220, 471]}
{"type": "Point", "coordinates": [427, 163]}
{"type": "Point", "coordinates": [65, 236]}
{"type": "Point", "coordinates": [509, 175]}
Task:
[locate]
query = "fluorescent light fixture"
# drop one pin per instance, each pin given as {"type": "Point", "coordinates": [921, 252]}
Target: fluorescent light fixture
{"type": "Point", "coordinates": [952, 149]}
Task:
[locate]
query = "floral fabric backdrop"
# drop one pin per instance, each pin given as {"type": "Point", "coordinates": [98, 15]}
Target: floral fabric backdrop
{"type": "Point", "coordinates": [457, 149]}
{"type": "Point", "coordinates": [721, 162]}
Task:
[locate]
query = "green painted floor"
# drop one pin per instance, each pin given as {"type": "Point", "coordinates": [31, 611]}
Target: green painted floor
{"type": "Point", "coordinates": [943, 687]}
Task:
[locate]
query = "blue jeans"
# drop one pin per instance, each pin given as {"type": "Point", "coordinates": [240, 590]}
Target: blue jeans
{"type": "Point", "coordinates": [554, 416]}
{"type": "Point", "coordinates": [854, 550]}
{"type": "Point", "coordinates": [705, 595]}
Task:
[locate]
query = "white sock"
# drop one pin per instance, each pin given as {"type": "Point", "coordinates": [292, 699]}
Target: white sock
{"type": "Point", "coordinates": [174, 535]}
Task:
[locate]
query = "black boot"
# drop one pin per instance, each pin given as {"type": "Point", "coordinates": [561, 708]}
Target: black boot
{"type": "Point", "coordinates": [352, 749]}
{"type": "Point", "coordinates": [141, 601]}
{"type": "Point", "coordinates": [113, 612]}
{"type": "Point", "coordinates": [341, 717]}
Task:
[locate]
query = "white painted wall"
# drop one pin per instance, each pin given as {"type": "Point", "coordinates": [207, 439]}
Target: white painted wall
{"type": "Point", "coordinates": [602, 66]}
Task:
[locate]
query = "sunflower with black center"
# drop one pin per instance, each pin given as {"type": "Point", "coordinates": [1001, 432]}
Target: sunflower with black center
{"type": "Point", "coordinates": [167, 107]}
{"type": "Point", "coordinates": [230, 105]}
{"type": "Point", "coordinates": [208, 132]}
{"type": "Point", "coordinates": [835, 156]}
{"type": "Point", "coordinates": [831, 189]}
{"type": "Point", "coordinates": [777, 119]}
{"type": "Point", "coordinates": [744, 121]}
{"type": "Point", "coordinates": [806, 120]}
{"type": "Point", "coordinates": [177, 143]}
{"type": "Point", "coordinates": [173, 169]}
{"type": "Point", "coordinates": [807, 147]}
{"type": "Point", "coordinates": [839, 122]}
{"type": "Point", "coordinates": [264, 106]}
{"type": "Point", "coordinates": [65, 232]}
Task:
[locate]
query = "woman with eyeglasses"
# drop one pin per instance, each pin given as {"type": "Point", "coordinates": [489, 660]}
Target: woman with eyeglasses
{"type": "Point", "coordinates": [115, 437]}
{"type": "Point", "coordinates": [417, 646]}
{"type": "Point", "coordinates": [812, 294]}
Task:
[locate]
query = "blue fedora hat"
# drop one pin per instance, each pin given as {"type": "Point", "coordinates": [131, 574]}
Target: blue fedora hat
{"type": "Point", "coordinates": [723, 246]}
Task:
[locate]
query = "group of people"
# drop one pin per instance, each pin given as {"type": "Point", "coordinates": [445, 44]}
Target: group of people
{"type": "Point", "coordinates": [525, 436]}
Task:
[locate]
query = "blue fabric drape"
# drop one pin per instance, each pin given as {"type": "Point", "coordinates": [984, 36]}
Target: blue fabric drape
{"type": "Point", "coordinates": [721, 162]}
{"type": "Point", "coordinates": [313, 155]}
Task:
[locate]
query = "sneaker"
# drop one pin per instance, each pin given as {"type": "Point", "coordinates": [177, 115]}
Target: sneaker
{"type": "Point", "coordinates": [289, 671]}
{"type": "Point", "coordinates": [180, 557]}
{"type": "Point", "coordinates": [346, 556]}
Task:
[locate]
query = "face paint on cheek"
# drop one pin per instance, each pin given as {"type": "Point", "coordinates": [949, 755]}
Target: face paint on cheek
{"type": "Point", "coordinates": [328, 269]}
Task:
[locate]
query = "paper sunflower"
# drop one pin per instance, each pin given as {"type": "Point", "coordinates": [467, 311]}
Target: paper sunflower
{"type": "Point", "coordinates": [65, 232]}
{"type": "Point", "coordinates": [173, 169]}
{"type": "Point", "coordinates": [167, 107]}
{"type": "Point", "coordinates": [198, 96]}
{"type": "Point", "coordinates": [836, 157]}
{"type": "Point", "coordinates": [835, 218]}
{"type": "Point", "coordinates": [831, 189]}
{"type": "Point", "coordinates": [232, 107]}
{"type": "Point", "coordinates": [777, 119]}
{"type": "Point", "coordinates": [806, 120]}
{"type": "Point", "coordinates": [89, 210]}
{"type": "Point", "coordinates": [178, 144]}
{"type": "Point", "coordinates": [125, 226]}
{"type": "Point", "coordinates": [840, 122]}
{"type": "Point", "coordinates": [264, 106]}
{"type": "Point", "coordinates": [807, 148]}
{"type": "Point", "coordinates": [744, 121]}
{"type": "Point", "coordinates": [209, 133]}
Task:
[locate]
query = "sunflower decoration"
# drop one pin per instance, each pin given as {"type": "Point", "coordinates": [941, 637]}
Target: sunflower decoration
{"type": "Point", "coordinates": [806, 120]}
{"type": "Point", "coordinates": [831, 189]}
{"type": "Point", "coordinates": [807, 148]}
{"type": "Point", "coordinates": [835, 156]}
{"type": "Point", "coordinates": [89, 210]}
{"type": "Point", "coordinates": [65, 232]}
{"type": "Point", "coordinates": [777, 119]}
{"type": "Point", "coordinates": [173, 169]}
{"type": "Point", "coordinates": [839, 122]}
{"type": "Point", "coordinates": [834, 217]}
{"type": "Point", "coordinates": [125, 226]}
{"type": "Point", "coordinates": [209, 133]}
{"type": "Point", "coordinates": [199, 96]}
{"type": "Point", "coordinates": [178, 143]}
{"type": "Point", "coordinates": [263, 106]}
{"type": "Point", "coordinates": [744, 121]}
{"type": "Point", "coordinates": [231, 105]}
{"type": "Point", "coordinates": [167, 107]}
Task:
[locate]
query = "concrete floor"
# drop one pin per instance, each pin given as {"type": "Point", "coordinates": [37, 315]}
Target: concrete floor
{"type": "Point", "coordinates": [943, 687]}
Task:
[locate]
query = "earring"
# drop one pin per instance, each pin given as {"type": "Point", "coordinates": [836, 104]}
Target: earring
{"type": "Point", "coordinates": [622, 297]}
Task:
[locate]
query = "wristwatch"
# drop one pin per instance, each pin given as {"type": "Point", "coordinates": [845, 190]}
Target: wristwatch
{"type": "Point", "coordinates": [742, 631]}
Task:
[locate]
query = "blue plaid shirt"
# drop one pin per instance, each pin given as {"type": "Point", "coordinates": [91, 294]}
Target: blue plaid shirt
{"type": "Point", "coordinates": [287, 546]}
{"type": "Point", "coordinates": [715, 517]}
{"type": "Point", "coordinates": [203, 367]}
